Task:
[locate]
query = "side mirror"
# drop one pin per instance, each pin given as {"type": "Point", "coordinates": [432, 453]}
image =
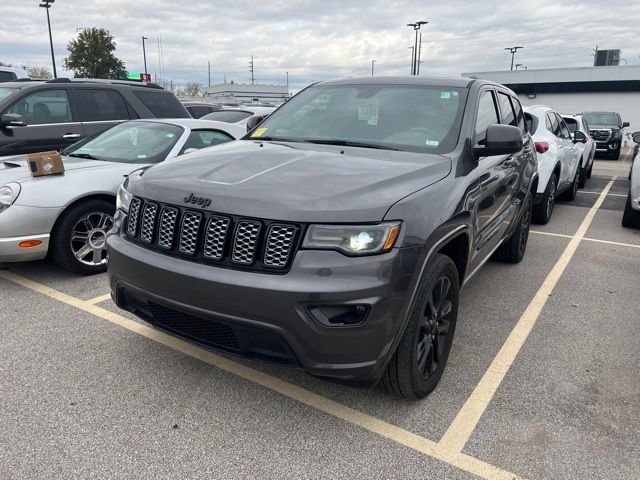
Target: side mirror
{"type": "Point", "coordinates": [254, 121]}
{"type": "Point", "coordinates": [625, 124]}
{"type": "Point", "coordinates": [12, 120]}
{"type": "Point", "coordinates": [636, 137]}
{"type": "Point", "coordinates": [500, 140]}
{"type": "Point", "coordinates": [579, 137]}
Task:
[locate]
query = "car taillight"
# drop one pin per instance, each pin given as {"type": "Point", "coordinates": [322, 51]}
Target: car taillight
{"type": "Point", "coordinates": [542, 147]}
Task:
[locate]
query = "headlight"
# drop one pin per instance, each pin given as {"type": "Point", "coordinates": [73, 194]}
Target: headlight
{"type": "Point", "coordinates": [8, 194]}
{"type": "Point", "coordinates": [353, 239]}
{"type": "Point", "coordinates": [123, 199]}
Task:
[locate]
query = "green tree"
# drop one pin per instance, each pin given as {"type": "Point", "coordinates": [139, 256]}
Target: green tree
{"type": "Point", "coordinates": [91, 56]}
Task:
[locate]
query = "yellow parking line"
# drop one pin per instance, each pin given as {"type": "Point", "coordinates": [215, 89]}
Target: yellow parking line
{"type": "Point", "coordinates": [354, 417]}
{"type": "Point", "coordinates": [459, 432]}
{"type": "Point", "coordinates": [587, 239]}
{"type": "Point", "coordinates": [598, 193]}
{"type": "Point", "coordinates": [100, 299]}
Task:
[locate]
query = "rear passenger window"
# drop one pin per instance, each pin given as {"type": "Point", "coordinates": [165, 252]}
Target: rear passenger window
{"type": "Point", "coordinates": [162, 104]}
{"type": "Point", "coordinates": [508, 116]}
{"type": "Point", "coordinates": [100, 105]}
{"type": "Point", "coordinates": [487, 116]}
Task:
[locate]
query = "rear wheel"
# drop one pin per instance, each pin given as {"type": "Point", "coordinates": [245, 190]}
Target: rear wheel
{"type": "Point", "coordinates": [542, 212]}
{"type": "Point", "coordinates": [512, 251]}
{"type": "Point", "coordinates": [417, 365]}
{"type": "Point", "coordinates": [630, 217]}
{"type": "Point", "coordinates": [79, 239]}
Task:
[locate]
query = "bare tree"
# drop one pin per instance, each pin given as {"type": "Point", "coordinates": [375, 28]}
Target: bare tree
{"type": "Point", "coordinates": [192, 89]}
{"type": "Point", "coordinates": [37, 72]}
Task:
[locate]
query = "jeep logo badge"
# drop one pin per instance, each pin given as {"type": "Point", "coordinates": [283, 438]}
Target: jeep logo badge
{"type": "Point", "coordinates": [201, 201]}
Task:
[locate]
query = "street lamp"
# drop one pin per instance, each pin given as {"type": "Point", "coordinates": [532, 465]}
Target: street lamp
{"type": "Point", "coordinates": [46, 4]}
{"type": "Point", "coordinates": [513, 51]}
{"type": "Point", "coordinates": [144, 56]}
{"type": "Point", "coordinates": [414, 64]}
{"type": "Point", "coordinates": [372, 64]}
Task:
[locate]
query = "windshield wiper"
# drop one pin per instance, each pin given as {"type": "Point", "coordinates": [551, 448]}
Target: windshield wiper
{"type": "Point", "coordinates": [276, 139]}
{"type": "Point", "coordinates": [88, 156]}
{"type": "Point", "coordinates": [350, 143]}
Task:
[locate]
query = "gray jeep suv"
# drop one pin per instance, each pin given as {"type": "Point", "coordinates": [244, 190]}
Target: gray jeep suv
{"type": "Point", "coordinates": [335, 237]}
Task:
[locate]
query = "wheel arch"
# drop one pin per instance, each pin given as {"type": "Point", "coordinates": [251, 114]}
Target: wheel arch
{"type": "Point", "coordinates": [95, 196]}
{"type": "Point", "coordinates": [456, 248]}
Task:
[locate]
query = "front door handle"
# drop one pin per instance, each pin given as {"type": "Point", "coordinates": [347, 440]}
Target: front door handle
{"type": "Point", "coordinates": [71, 135]}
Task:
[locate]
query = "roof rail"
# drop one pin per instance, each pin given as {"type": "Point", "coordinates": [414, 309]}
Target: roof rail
{"type": "Point", "coordinates": [133, 83]}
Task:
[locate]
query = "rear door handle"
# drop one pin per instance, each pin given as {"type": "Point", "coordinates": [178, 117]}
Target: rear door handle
{"type": "Point", "coordinates": [71, 135]}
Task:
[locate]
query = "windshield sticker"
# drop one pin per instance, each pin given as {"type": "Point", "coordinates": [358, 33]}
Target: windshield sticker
{"type": "Point", "coordinates": [432, 143]}
{"type": "Point", "coordinates": [369, 112]}
{"type": "Point", "coordinates": [258, 132]}
{"type": "Point", "coordinates": [142, 156]}
{"type": "Point", "coordinates": [171, 135]}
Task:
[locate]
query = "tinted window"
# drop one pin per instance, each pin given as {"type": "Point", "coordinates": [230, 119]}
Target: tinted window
{"type": "Point", "coordinates": [130, 142]}
{"type": "Point", "coordinates": [532, 122]}
{"type": "Point", "coordinates": [564, 131]}
{"type": "Point", "coordinates": [404, 117]}
{"type": "Point", "coordinates": [572, 124]}
{"type": "Point", "coordinates": [161, 104]}
{"type": "Point", "coordinates": [205, 138]}
{"type": "Point", "coordinates": [7, 76]}
{"type": "Point", "coordinates": [227, 116]}
{"type": "Point", "coordinates": [44, 107]}
{"type": "Point", "coordinates": [199, 111]}
{"type": "Point", "coordinates": [487, 116]}
{"type": "Point", "coordinates": [552, 124]}
{"type": "Point", "coordinates": [101, 105]}
{"type": "Point", "coordinates": [5, 92]}
{"type": "Point", "coordinates": [508, 116]}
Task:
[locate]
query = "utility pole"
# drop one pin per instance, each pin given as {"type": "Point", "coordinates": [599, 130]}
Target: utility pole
{"type": "Point", "coordinates": [414, 64]}
{"type": "Point", "coordinates": [144, 55]}
{"type": "Point", "coordinates": [46, 4]}
{"type": "Point", "coordinates": [251, 69]}
{"type": "Point", "coordinates": [373, 62]}
{"type": "Point", "coordinates": [209, 65]}
{"type": "Point", "coordinates": [419, 53]}
{"type": "Point", "coordinates": [287, 82]}
{"type": "Point", "coordinates": [513, 51]}
{"type": "Point", "coordinates": [411, 67]}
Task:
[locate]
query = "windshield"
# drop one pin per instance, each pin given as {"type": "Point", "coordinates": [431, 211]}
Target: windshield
{"type": "Point", "coordinates": [413, 118]}
{"type": "Point", "coordinates": [602, 118]}
{"type": "Point", "coordinates": [5, 92]}
{"type": "Point", "coordinates": [129, 142]}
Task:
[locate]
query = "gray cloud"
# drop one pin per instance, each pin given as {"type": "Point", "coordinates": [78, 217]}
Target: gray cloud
{"type": "Point", "coordinates": [315, 40]}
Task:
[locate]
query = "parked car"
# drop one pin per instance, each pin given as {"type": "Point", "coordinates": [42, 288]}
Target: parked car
{"type": "Point", "coordinates": [9, 74]}
{"type": "Point", "coordinates": [336, 236]}
{"type": "Point", "coordinates": [586, 147]}
{"type": "Point", "coordinates": [631, 216]}
{"type": "Point", "coordinates": [606, 130]}
{"type": "Point", "coordinates": [67, 216]}
{"type": "Point", "coordinates": [200, 109]}
{"type": "Point", "coordinates": [36, 116]}
{"type": "Point", "coordinates": [239, 116]}
{"type": "Point", "coordinates": [558, 159]}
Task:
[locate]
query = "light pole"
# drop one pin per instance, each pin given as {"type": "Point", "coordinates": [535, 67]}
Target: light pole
{"type": "Point", "coordinates": [144, 56]}
{"type": "Point", "coordinates": [373, 62]}
{"type": "Point", "coordinates": [414, 64]}
{"type": "Point", "coordinates": [513, 51]}
{"type": "Point", "coordinates": [411, 66]}
{"type": "Point", "coordinates": [46, 4]}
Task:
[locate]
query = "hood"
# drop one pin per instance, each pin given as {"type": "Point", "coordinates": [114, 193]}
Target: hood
{"type": "Point", "coordinates": [294, 181]}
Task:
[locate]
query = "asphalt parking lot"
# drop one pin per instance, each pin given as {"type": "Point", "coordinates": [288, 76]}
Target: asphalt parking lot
{"type": "Point", "coordinates": [542, 381]}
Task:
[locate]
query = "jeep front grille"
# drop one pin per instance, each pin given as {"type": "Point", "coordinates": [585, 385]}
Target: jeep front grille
{"type": "Point", "coordinates": [225, 240]}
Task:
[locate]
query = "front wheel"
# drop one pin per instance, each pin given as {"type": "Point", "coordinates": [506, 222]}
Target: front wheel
{"type": "Point", "coordinates": [418, 362]}
{"type": "Point", "coordinates": [79, 239]}
{"type": "Point", "coordinates": [630, 217]}
{"type": "Point", "coordinates": [512, 251]}
{"type": "Point", "coordinates": [542, 212]}
{"type": "Point", "coordinates": [582, 176]}
{"type": "Point", "coordinates": [571, 194]}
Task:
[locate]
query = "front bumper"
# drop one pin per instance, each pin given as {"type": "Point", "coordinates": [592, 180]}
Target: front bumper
{"type": "Point", "coordinates": [19, 223]}
{"type": "Point", "coordinates": [267, 317]}
{"type": "Point", "coordinates": [11, 251]}
{"type": "Point", "coordinates": [612, 145]}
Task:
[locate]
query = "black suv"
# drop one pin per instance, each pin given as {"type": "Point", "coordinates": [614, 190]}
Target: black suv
{"type": "Point", "coordinates": [37, 116]}
{"type": "Point", "coordinates": [335, 237]}
{"type": "Point", "coordinates": [606, 129]}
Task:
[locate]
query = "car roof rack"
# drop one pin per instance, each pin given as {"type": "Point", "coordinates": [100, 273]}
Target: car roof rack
{"type": "Point", "coordinates": [133, 83]}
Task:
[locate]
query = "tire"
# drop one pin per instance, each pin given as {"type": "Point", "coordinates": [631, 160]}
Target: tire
{"type": "Point", "coordinates": [582, 176]}
{"type": "Point", "coordinates": [87, 223]}
{"type": "Point", "coordinates": [570, 195]}
{"type": "Point", "coordinates": [414, 371]}
{"type": "Point", "coordinates": [616, 154]}
{"type": "Point", "coordinates": [542, 212]}
{"type": "Point", "coordinates": [590, 170]}
{"type": "Point", "coordinates": [630, 217]}
{"type": "Point", "coordinates": [512, 251]}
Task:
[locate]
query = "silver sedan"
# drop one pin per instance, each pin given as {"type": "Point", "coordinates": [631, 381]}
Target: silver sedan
{"type": "Point", "coordinates": [67, 216]}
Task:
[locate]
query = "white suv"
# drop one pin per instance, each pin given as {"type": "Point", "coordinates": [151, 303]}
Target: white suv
{"type": "Point", "coordinates": [558, 159]}
{"type": "Point", "coordinates": [586, 147]}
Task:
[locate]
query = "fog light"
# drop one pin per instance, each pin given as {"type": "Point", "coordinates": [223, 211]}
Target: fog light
{"type": "Point", "coordinates": [30, 243]}
{"type": "Point", "coordinates": [339, 315]}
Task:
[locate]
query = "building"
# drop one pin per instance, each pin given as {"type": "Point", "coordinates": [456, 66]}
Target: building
{"type": "Point", "coordinates": [575, 90]}
{"type": "Point", "coordinates": [247, 93]}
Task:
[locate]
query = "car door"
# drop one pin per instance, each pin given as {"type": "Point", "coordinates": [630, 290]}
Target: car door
{"type": "Point", "coordinates": [571, 153]}
{"type": "Point", "coordinates": [100, 108]}
{"type": "Point", "coordinates": [51, 123]}
{"type": "Point", "coordinates": [494, 182]}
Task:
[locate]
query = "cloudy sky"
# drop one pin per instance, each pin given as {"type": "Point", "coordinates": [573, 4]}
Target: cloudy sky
{"type": "Point", "coordinates": [321, 39]}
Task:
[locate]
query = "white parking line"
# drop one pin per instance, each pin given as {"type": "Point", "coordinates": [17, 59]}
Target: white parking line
{"type": "Point", "coordinates": [459, 432]}
{"type": "Point", "coordinates": [587, 239]}
{"type": "Point", "coordinates": [598, 193]}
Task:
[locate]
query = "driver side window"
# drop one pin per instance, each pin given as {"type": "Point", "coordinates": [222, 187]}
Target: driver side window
{"type": "Point", "coordinates": [487, 116]}
{"type": "Point", "coordinates": [44, 107]}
